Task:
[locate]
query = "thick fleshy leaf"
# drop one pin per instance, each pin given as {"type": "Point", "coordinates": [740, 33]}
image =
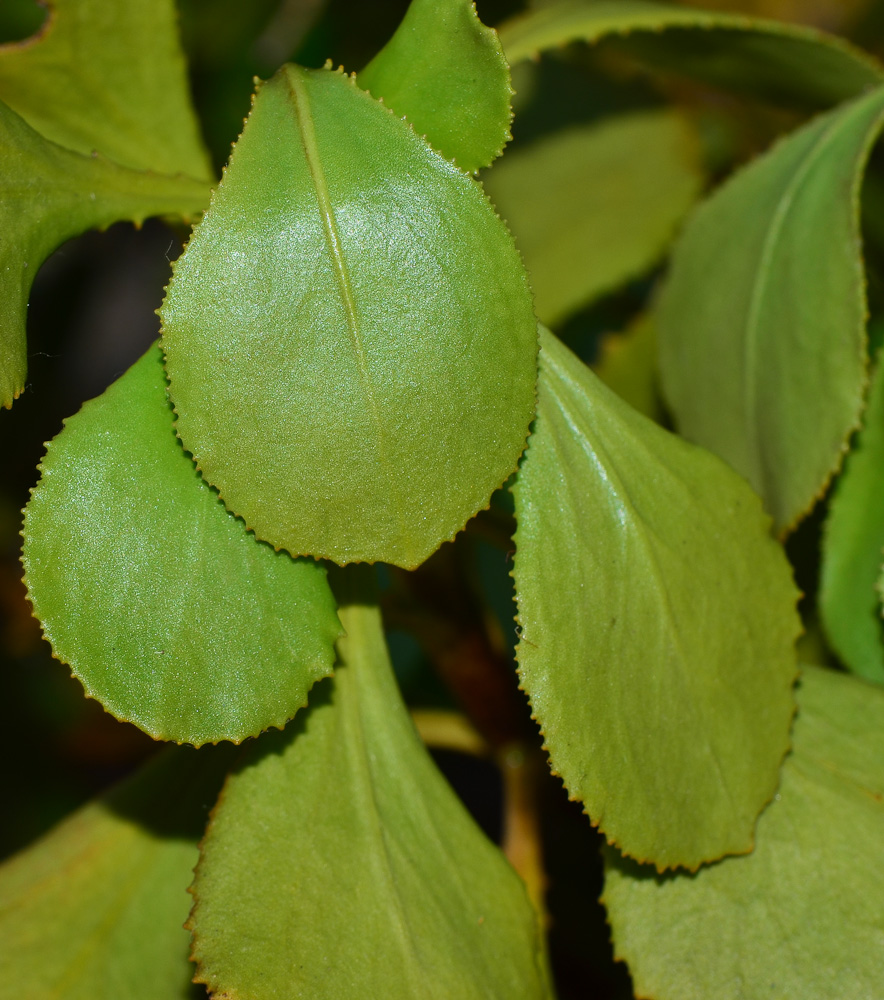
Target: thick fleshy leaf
{"type": "Point", "coordinates": [803, 915]}
{"type": "Point", "coordinates": [108, 75]}
{"type": "Point", "coordinates": [49, 194]}
{"type": "Point", "coordinates": [657, 623]}
{"type": "Point", "coordinates": [853, 547]}
{"type": "Point", "coordinates": [595, 205]}
{"type": "Point", "coordinates": [170, 613]}
{"type": "Point", "coordinates": [770, 59]}
{"type": "Point", "coordinates": [762, 321]}
{"type": "Point", "coordinates": [349, 334]}
{"type": "Point", "coordinates": [339, 863]}
{"type": "Point", "coordinates": [446, 72]}
{"type": "Point", "coordinates": [95, 909]}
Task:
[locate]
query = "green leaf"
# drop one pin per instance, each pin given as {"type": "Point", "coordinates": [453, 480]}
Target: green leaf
{"type": "Point", "coordinates": [446, 73]}
{"type": "Point", "coordinates": [339, 863]}
{"type": "Point", "coordinates": [49, 194]}
{"type": "Point", "coordinates": [776, 61]}
{"type": "Point", "coordinates": [95, 910]}
{"type": "Point", "coordinates": [167, 610]}
{"type": "Point", "coordinates": [596, 205]}
{"type": "Point", "coordinates": [349, 334]}
{"type": "Point", "coordinates": [853, 543]}
{"type": "Point", "coordinates": [803, 915]}
{"type": "Point", "coordinates": [762, 322]}
{"type": "Point", "coordinates": [627, 363]}
{"type": "Point", "coordinates": [109, 75]}
{"type": "Point", "coordinates": [657, 623]}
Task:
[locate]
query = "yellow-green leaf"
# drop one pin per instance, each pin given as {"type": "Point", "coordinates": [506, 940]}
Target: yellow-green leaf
{"type": "Point", "coordinates": [627, 363]}
{"type": "Point", "coordinates": [657, 621]}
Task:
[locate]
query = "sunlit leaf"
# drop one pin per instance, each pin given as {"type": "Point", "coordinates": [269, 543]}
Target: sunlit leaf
{"type": "Point", "coordinates": [657, 623]}
{"type": "Point", "coordinates": [627, 363]}
{"type": "Point", "coordinates": [349, 334]}
{"type": "Point", "coordinates": [108, 75]}
{"type": "Point", "coordinates": [596, 205]}
{"type": "Point", "coordinates": [853, 547]}
{"type": "Point", "coordinates": [446, 72]}
{"type": "Point", "coordinates": [170, 613]}
{"type": "Point", "coordinates": [339, 863]}
{"type": "Point", "coordinates": [766, 58]}
{"type": "Point", "coordinates": [762, 322]}
{"type": "Point", "coordinates": [49, 194]}
{"type": "Point", "coordinates": [803, 915]}
{"type": "Point", "coordinates": [95, 909]}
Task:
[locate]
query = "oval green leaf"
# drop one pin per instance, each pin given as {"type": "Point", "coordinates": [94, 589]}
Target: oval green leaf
{"type": "Point", "coordinates": [168, 611]}
{"type": "Point", "coordinates": [446, 73]}
{"type": "Point", "coordinates": [340, 864]}
{"type": "Point", "coordinates": [349, 335]}
{"type": "Point", "coordinates": [803, 915]}
{"type": "Point", "coordinates": [657, 624]}
{"type": "Point", "coordinates": [95, 909]}
{"type": "Point", "coordinates": [762, 321]}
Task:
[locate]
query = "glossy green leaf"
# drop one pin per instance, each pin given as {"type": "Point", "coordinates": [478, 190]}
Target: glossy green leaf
{"type": "Point", "coordinates": [762, 322]}
{"type": "Point", "coordinates": [349, 334]}
{"type": "Point", "coordinates": [108, 75]}
{"type": "Point", "coordinates": [446, 73]}
{"type": "Point", "coordinates": [49, 194]}
{"type": "Point", "coordinates": [803, 915]}
{"type": "Point", "coordinates": [95, 910]}
{"type": "Point", "coordinates": [170, 613]}
{"type": "Point", "coordinates": [770, 59]}
{"type": "Point", "coordinates": [853, 547]}
{"type": "Point", "coordinates": [657, 621]}
{"type": "Point", "coordinates": [627, 363]}
{"type": "Point", "coordinates": [596, 205]}
{"type": "Point", "coordinates": [339, 863]}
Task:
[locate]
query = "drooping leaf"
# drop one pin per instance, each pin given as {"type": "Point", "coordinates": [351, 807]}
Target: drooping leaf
{"type": "Point", "coordinates": [49, 194]}
{"type": "Point", "coordinates": [349, 334]}
{"type": "Point", "coordinates": [627, 363]}
{"type": "Point", "coordinates": [596, 205]}
{"type": "Point", "coordinates": [762, 322]}
{"type": "Point", "coordinates": [853, 547]}
{"type": "Point", "coordinates": [108, 75]}
{"type": "Point", "coordinates": [657, 623]}
{"type": "Point", "coordinates": [803, 915]}
{"type": "Point", "coordinates": [446, 72]}
{"type": "Point", "coordinates": [168, 611]}
{"type": "Point", "coordinates": [770, 59]}
{"type": "Point", "coordinates": [339, 863]}
{"type": "Point", "coordinates": [95, 909]}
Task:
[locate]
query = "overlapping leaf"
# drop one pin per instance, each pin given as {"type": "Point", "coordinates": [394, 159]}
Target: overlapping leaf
{"type": "Point", "coordinates": [49, 194]}
{"type": "Point", "coordinates": [167, 609]}
{"type": "Point", "coordinates": [339, 863]}
{"type": "Point", "coordinates": [762, 322]}
{"type": "Point", "coordinates": [803, 915]}
{"type": "Point", "coordinates": [627, 363]}
{"type": "Point", "coordinates": [446, 72]}
{"type": "Point", "coordinates": [657, 624]}
{"type": "Point", "coordinates": [108, 75]}
{"type": "Point", "coordinates": [853, 547]}
{"type": "Point", "coordinates": [349, 335]}
{"type": "Point", "coordinates": [594, 206]}
{"type": "Point", "coordinates": [95, 910]}
{"type": "Point", "coordinates": [774, 60]}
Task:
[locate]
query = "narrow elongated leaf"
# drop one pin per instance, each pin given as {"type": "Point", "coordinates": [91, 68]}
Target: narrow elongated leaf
{"type": "Point", "coordinates": [170, 613]}
{"type": "Point", "coordinates": [339, 863]}
{"type": "Point", "coordinates": [853, 547]}
{"type": "Point", "coordinates": [803, 915]}
{"type": "Point", "coordinates": [768, 58]}
{"type": "Point", "coordinates": [446, 72]}
{"type": "Point", "coordinates": [95, 910]}
{"type": "Point", "coordinates": [349, 334]}
{"type": "Point", "coordinates": [657, 624]}
{"type": "Point", "coordinates": [762, 322]}
{"type": "Point", "coordinates": [594, 206]}
{"type": "Point", "coordinates": [49, 194]}
{"type": "Point", "coordinates": [108, 75]}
